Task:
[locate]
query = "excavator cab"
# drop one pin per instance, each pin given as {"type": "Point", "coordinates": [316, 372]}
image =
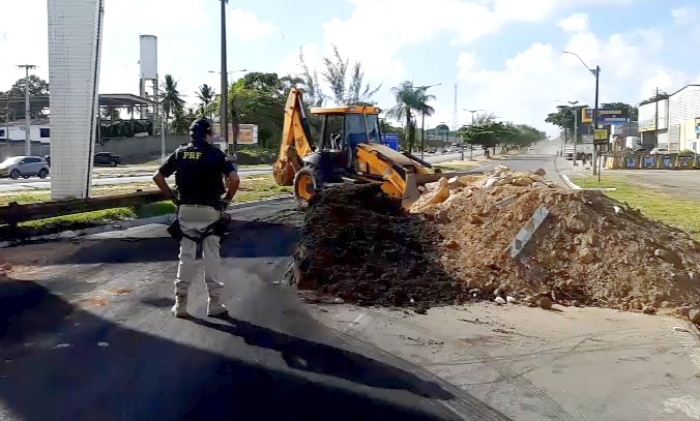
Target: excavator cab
{"type": "Point", "coordinates": [335, 156]}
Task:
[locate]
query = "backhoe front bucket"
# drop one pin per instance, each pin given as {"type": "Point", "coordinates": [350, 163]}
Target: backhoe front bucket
{"type": "Point", "coordinates": [415, 180]}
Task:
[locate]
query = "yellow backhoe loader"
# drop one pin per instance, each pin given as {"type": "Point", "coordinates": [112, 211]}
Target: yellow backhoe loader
{"type": "Point", "coordinates": [348, 151]}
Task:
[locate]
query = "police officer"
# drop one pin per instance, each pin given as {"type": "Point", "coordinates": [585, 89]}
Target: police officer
{"type": "Point", "coordinates": [200, 170]}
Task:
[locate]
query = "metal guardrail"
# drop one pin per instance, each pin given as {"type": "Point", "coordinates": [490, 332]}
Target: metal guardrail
{"type": "Point", "coordinates": [14, 213]}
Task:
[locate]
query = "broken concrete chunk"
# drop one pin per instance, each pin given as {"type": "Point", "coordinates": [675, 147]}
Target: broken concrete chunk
{"type": "Point", "coordinates": [541, 172]}
{"type": "Point", "coordinates": [499, 300]}
{"type": "Point", "coordinates": [511, 300]}
{"type": "Point", "coordinates": [586, 256]}
{"type": "Point", "coordinates": [506, 201]}
{"type": "Point", "coordinates": [648, 310]}
{"type": "Point", "coordinates": [694, 316]}
{"type": "Point", "coordinates": [544, 303]}
{"type": "Point", "coordinates": [476, 219]}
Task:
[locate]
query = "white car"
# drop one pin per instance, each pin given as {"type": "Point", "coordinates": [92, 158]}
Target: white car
{"type": "Point", "coordinates": [659, 151]}
{"type": "Point", "coordinates": [24, 166]}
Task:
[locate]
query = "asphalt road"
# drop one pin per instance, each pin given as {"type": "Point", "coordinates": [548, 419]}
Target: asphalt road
{"type": "Point", "coordinates": [89, 336]}
{"type": "Point", "coordinates": [34, 183]}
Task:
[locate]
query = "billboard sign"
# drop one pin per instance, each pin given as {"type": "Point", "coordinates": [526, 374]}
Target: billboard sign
{"type": "Point", "coordinates": [391, 140]}
{"type": "Point", "coordinates": [607, 116]}
{"type": "Point", "coordinates": [247, 134]}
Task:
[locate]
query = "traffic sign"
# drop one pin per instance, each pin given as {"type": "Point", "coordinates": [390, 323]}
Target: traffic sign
{"type": "Point", "coordinates": [600, 134]}
{"type": "Point", "coordinates": [391, 140]}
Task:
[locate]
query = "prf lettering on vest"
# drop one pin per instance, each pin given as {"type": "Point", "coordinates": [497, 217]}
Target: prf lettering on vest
{"type": "Point", "coordinates": [191, 155]}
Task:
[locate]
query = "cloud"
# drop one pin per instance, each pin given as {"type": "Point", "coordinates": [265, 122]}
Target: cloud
{"type": "Point", "coordinates": [578, 22]}
{"type": "Point", "coordinates": [685, 15]}
{"type": "Point", "coordinates": [246, 25]}
{"type": "Point", "coordinates": [527, 87]}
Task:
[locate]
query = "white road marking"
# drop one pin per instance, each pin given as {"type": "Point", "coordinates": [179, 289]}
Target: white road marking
{"type": "Point", "coordinates": [354, 323]}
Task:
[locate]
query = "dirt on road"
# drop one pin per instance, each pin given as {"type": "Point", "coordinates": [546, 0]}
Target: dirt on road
{"type": "Point", "coordinates": [361, 246]}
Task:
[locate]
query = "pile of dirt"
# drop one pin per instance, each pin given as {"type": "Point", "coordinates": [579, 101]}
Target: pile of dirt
{"type": "Point", "coordinates": [455, 245]}
{"type": "Point", "coordinates": [361, 246]}
{"type": "Point", "coordinates": [590, 250]}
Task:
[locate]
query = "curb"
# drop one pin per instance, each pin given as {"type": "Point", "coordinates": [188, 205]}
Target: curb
{"type": "Point", "coordinates": [565, 178]}
{"type": "Point", "coordinates": [126, 224]}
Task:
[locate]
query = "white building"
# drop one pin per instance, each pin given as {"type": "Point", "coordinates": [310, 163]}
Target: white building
{"type": "Point", "coordinates": [14, 131]}
{"type": "Point", "coordinates": [684, 119]}
{"type": "Point", "coordinates": [653, 122]}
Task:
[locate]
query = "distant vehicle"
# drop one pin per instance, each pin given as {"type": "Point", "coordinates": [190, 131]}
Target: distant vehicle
{"type": "Point", "coordinates": [660, 151]}
{"type": "Point", "coordinates": [106, 158]}
{"type": "Point", "coordinates": [100, 158]}
{"type": "Point", "coordinates": [24, 166]}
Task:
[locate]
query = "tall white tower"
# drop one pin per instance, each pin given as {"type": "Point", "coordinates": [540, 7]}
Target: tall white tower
{"type": "Point", "coordinates": [75, 40]}
{"type": "Point", "coordinates": [149, 74]}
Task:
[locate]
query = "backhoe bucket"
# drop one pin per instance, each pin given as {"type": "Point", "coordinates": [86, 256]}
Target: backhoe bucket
{"type": "Point", "coordinates": [415, 180]}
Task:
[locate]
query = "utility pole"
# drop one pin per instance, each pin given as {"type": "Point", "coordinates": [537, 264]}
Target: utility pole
{"type": "Point", "coordinates": [27, 110]}
{"type": "Point", "coordinates": [422, 135]}
{"type": "Point", "coordinates": [656, 119]}
{"type": "Point", "coordinates": [575, 115]}
{"type": "Point", "coordinates": [596, 159]}
{"type": "Point", "coordinates": [224, 76]}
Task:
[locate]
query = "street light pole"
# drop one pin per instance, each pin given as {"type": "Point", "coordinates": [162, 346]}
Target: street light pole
{"type": "Point", "coordinates": [27, 111]}
{"type": "Point", "coordinates": [224, 75]}
{"type": "Point", "coordinates": [471, 147]}
{"type": "Point", "coordinates": [596, 73]}
{"type": "Point", "coordinates": [595, 123]}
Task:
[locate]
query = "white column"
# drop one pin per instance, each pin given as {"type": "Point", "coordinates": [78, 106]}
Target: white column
{"type": "Point", "coordinates": [75, 38]}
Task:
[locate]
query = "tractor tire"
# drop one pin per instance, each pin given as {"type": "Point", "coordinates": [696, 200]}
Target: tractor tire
{"type": "Point", "coordinates": [307, 182]}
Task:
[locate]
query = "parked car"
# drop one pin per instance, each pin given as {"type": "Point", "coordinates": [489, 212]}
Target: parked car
{"type": "Point", "coordinates": [106, 158]}
{"type": "Point", "coordinates": [659, 151]}
{"type": "Point", "coordinates": [24, 166]}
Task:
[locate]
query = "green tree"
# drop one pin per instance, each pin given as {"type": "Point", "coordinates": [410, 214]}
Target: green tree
{"type": "Point", "coordinates": [564, 118]}
{"type": "Point", "coordinates": [313, 93]}
{"type": "Point", "coordinates": [259, 98]}
{"type": "Point", "coordinates": [171, 96]}
{"type": "Point", "coordinates": [354, 92]}
{"type": "Point", "coordinates": [206, 95]}
{"type": "Point", "coordinates": [37, 87]}
{"type": "Point", "coordinates": [410, 102]}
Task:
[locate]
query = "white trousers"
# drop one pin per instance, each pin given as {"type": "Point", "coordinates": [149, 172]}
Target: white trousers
{"type": "Point", "coordinates": [194, 220]}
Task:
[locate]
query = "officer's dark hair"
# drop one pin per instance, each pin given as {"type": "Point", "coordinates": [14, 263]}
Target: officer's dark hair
{"type": "Point", "coordinates": [199, 129]}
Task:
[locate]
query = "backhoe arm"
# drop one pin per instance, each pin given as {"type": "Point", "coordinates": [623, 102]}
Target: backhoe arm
{"type": "Point", "coordinates": [296, 140]}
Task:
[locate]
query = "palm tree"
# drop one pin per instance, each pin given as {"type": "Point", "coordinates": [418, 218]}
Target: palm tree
{"type": "Point", "coordinates": [206, 95]}
{"type": "Point", "coordinates": [172, 99]}
{"type": "Point", "coordinates": [410, 102]}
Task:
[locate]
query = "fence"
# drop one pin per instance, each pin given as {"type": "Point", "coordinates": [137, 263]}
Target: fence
{"type": "Point", "coordinates": [13, 214]}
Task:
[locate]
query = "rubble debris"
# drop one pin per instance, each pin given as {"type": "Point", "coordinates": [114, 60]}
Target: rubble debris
{"type": "Point", "coordinates": [361, 246]}
{"type": "Point", "coordinates": [452, 246]}
{"type": "Point", "coordinates": [544, 303]}
{"type": "Point", "coordinates": [694, 316]}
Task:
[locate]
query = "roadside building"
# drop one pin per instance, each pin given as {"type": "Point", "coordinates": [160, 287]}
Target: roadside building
{"type": "Point", "coordinates": [14, 131]}
{"type": "Point", "coordinates": [653, 122]}
{"type": "Point", "coordinates": [684, 119]}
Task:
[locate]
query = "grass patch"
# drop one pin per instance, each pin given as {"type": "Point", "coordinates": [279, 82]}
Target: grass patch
{"type": "Point", "coordinates": [458, 165]}
{"type": "Point", "coordinates": [672, 210]}
{"type": "Point", "coordinates": [260, 187]}
{"type": "Point", "coordinates": [252, 189]}
{"type": "Point", "coordinates": [254, 156]}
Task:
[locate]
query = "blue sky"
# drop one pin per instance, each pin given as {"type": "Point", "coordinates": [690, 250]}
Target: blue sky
{"type": "Point", "coordinates": [505, 55]}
